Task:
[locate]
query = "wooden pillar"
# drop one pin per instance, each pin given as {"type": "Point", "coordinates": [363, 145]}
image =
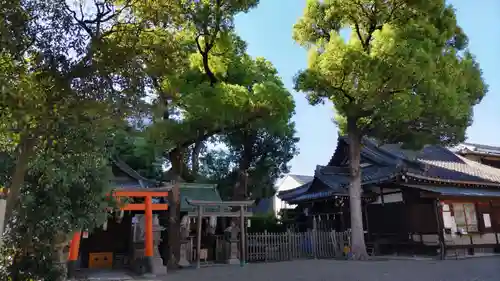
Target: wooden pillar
{"type": "Point", "coordinates": [342, 219]}
{"type": "Point", "coordinates": [73, 254]}
{"type": "Point", "coordinates": [198, 236]}
{"type": "Point", "coordinates": [440, 226]}
{"type": "Point", "coordinates": [365, 207]}
{"type": "Point", "coordinates": [493, 226]}
{"type": "Point", "coordinates": [148, 234]}
{"type": "Point", "coordinates": [242, 235]}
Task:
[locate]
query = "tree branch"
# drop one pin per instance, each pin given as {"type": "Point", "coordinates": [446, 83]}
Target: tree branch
{"type": "Point", "coordinates": [358, 32]}
{"type": "Point", "coordinates": [341, 89]}
{"type": "Point", "coordinates": [205, 135]}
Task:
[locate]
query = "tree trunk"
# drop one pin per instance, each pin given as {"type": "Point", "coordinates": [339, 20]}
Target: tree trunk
{"type": "Point", "coordinates": [358, 247]}
{"type": "Point", "coordinates": [174, 212]}
{"type": "Point", "coordinates": [195, 158]}
{"type": "Point", "coordinates": [240, 191]}
{"type": "Point", "coordinates": [25, 149]}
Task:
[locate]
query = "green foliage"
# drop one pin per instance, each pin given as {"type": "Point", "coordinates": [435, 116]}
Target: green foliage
{"type": "Point", "coordinates": [264, 153]}
{"type": "Point", "coordinates": [404, 74]}
{"type": "Point", "coordinates": [203, 81]}
{"type": "Point", "coordinates": [269, 223]}
{"type": "Point", "coordinates": [253, 92]}
{"type": "Point", "coordinates": [64, 192]}
{"type": "Point", "coordinates": [50, 78]}
{"type": "Point", "coordinates": [59, 72]}
{"type": "Point", "coordinates": [131, 146]}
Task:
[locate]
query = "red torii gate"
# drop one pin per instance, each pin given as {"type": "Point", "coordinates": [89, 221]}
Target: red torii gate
{"type": "Point", "coordinates": [148, 207]}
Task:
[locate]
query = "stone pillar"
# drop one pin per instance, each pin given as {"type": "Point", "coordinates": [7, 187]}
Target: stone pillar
{"type": "Point", "coordinates": [231, 234]}
{"type": "Point", "coordinates": [61, 253]}
{"type": "Point", "coordinates": [183, 261]}
{"type": "Point", "coordinates": [138, 244]}
{"type": "Point", "coordinates": [233, 252]}
{"type": "Point", "coordinates": [154, 264]}
{"type": "Point", "coordinates": [157, 263]}
{"type": "Point", "coordinates": [185, 228]}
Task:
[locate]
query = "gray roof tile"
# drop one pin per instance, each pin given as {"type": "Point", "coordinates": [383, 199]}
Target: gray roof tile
{"type": "Point", "coordinates": [443, 164]}
{"type": "Point", "coordinates": [388, 161]}
{"type": "Point", "coordinates": [336, 180]}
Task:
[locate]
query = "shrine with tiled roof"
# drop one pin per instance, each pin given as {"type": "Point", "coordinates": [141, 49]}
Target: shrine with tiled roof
{"type": "Point", "coordinates": [118, 243]}
{"type": "Point", "coordinates": [436, 197]}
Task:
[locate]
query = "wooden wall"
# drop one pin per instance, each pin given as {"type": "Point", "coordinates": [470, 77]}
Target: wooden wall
{"type": "Point", "coordinates": [115, 239]}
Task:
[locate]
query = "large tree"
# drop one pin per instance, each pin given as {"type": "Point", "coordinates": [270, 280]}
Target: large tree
{"type": "Point", "coordinates": [57, 67]}
{"type": "Point", "coordinates": [403, 75]}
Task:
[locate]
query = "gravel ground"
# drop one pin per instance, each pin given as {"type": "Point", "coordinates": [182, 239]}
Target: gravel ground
{"type": "Point", "coordinates": [477, 269]}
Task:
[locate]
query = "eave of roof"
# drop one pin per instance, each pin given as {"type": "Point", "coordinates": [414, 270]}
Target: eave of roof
{"type": "Point", "coordinates": [457, 191]}
{"type": "Point", "coordinates": [288, 194]}
{"type": "Point", "coordinates": [337, 180]}
{"type": "Point", "coordinates": [302, 179]}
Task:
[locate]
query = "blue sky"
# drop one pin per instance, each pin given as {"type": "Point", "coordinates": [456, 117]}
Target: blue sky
{"type": "Point", "coordinates": [268, 32]}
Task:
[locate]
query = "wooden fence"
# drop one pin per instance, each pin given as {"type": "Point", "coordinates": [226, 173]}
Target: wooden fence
{"type": "Point", "coordinates": [266, 246]}
{"type": "Point", "coordinates": [290, 245]}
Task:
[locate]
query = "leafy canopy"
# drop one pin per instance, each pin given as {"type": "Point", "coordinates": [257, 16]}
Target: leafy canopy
{"type": "Point", "coordinates": [404, 74]}
{"type": "Point", "coordinates": [55, 65]}
{"type": "Point", "coordinates": [263, 153]}
{"type": "Point", "coordinates": [201, 79]}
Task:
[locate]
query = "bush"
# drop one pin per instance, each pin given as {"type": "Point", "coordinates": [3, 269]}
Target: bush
{"type": "Point", "coordinates": [60, 195]}
{"type": "Point", "coordinates": [266, 223]}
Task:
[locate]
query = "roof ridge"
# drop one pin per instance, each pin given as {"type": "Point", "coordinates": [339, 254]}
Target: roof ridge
{"type": "Point", "coordinates": [479, 145]}
{"type": "Point", "coordinates": [368, 143]}
{"type": "Point", "coordinates": [299, 175]}
{"type": "Point", "coordinates": [199, 185]}
{"type": "Point", "coordinates": [124, 167]}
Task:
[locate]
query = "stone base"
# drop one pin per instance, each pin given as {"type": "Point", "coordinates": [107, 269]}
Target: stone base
{"type": "Point", "coordinates": [71, 269]}
{"type": "Point", "coordinates": [139, 266]}
{"type": "Point", "coordinates": [157, 267]}
{"type": "Point", "coordinates": [183, 262]}
{"type": "Point", "coordinates": [149, 266]}
{"type": "Point", "coordinates": [62, 267]}
{"type": "Point", "coordinates": [233, 261]}
{"type": "Point", "coordinates": [233, 252]}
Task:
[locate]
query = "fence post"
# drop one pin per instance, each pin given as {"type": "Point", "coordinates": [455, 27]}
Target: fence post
{"type": "Point", "coordinates": [335, 243]}
{"type": "Point", "coordinates": [289, 244]}
{"type": "Point", "coordinates": [266, 244]}
{"type": "Point", "coordinates": [314, 239]}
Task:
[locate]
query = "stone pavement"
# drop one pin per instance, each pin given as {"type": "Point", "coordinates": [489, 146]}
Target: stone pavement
{"type": "Point", "coordinates": [475, 269]}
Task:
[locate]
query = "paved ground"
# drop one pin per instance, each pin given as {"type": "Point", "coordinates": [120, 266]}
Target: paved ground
{"type": "Point", "coordinates": [476, 269]}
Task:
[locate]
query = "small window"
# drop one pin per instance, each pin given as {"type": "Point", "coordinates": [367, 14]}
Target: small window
{"type": "Point", "coordinates": [465, 216]}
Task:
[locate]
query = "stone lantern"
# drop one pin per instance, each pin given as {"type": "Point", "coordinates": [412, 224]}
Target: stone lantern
{"type": "Point", "coordinates": [138, 249]}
